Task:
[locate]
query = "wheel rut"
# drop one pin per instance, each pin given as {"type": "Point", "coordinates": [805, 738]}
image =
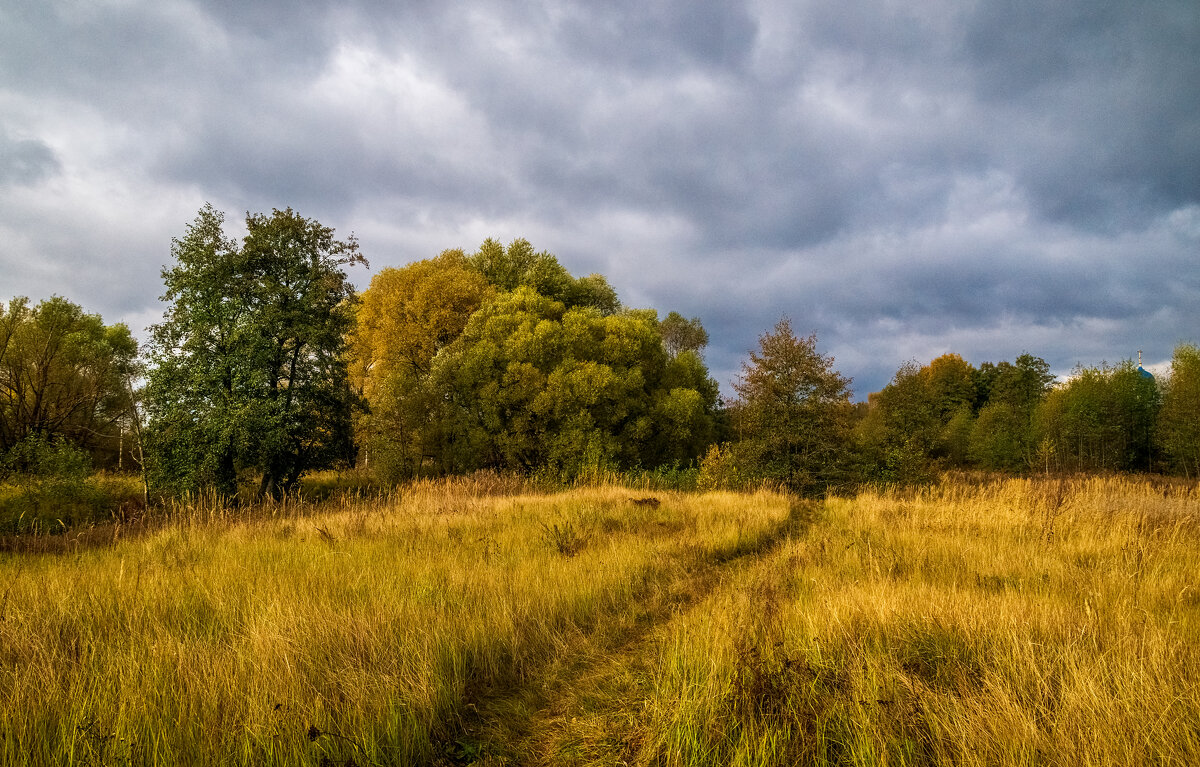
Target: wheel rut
{"type": "Point", "coordinates": [584, 706]}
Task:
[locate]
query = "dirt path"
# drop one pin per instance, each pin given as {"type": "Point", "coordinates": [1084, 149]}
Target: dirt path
{"type": "Point", "coordinates": [583, 709]}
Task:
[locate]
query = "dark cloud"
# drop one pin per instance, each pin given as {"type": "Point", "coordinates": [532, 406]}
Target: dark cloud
{"type": "Point", "coordinates": [1102, 102]}
{"type": "Point", "coordinates": [904, 179]}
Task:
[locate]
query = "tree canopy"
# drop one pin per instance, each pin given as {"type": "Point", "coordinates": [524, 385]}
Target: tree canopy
{"type": "Point", "coordinates": [64, 374]}
{"type": "Point", "coordinates": [682, 335]}
{"type": "Point", "coordinates": [248, 366]}
{"type": "Point", "coordinates": [950, 414]}
{"type": "Point", "coordinates": [793, 413]}
{"type": "Point", "coordinates": [268, 364]}
{"type": "Point", "coordinates": [1179, 418]}
{"type": "Point", "coordinates": [406, 317]}
{"type": "Point", "coordinates": [519, 265]}
{"type": "Point", "coordinates": [502, 359]}
{"type": "Point", "coordinates": [531, 382]}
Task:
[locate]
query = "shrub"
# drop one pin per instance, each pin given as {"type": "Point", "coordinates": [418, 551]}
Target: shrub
{"type": "Point", "coordinates": [724, 467]}
{"type": "Point", "coordinates": [49, 489]}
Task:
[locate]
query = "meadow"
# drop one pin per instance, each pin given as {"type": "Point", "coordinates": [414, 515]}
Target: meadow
{"type": "Point", "coordinates": [998, 622]}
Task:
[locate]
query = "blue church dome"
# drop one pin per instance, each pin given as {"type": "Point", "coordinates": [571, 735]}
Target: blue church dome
{"type": "Point", "coordinates": [1143, 372]}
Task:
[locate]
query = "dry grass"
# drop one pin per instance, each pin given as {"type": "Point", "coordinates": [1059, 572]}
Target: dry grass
{"type": "Point", "coordinates": [1020, 622]}
{"type": "Point", "coordinates": [364, 632]}
{"type": "Point", "coordinates": [1017, 622]}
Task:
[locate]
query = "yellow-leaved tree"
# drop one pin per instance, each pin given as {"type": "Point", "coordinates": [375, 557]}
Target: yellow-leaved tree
{"type": "Point", "coordinates": [404, 318]}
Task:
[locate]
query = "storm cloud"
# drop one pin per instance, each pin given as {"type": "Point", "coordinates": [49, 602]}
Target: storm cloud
{"type": "Point", "coordinates": [902, 179]}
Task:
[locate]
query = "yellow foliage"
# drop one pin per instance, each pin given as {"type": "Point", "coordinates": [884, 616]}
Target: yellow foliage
{"type": "Point", "coordinates": [408, 314]}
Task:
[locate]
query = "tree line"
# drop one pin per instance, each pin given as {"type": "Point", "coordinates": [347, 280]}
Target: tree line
{"type": "Point", "coordinates": [268, 364]}
{"type": "Point", "coordinates": [1014, 416]}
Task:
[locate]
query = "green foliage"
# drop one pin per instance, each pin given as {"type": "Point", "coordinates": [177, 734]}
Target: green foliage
{"type": "Point", "coordinates": [955, 438]}
{"type": "Point", "coordinates": [1101, 419]}
{"type": "Point", "coordinates": [682, 335]}
{"type": "Point", "coordinates": [950, 414]}
{"type": "Point", "coordinates": [674, 476]}
{"type": "Point", "coordinates": [949, 381]}
{"type": "Point", "coordinates": [42, 459]}
{"type": "Point", "coordinates": [48, 488]}
{"type": "Point", "coordinates": [908, 412]}
{"type": "Point", "coordinates": [1021, 384]}
{"type": "Point", "coordinates": [905, 463]}
{"type": "Point", "coordinates": [724, 467]}
{"type": "Point", "coordinates": [532, 383]}
{"type": "Point", "coordinates": [919, 422]}
{"type": "Point", "coordinates": [1000, 438]}
{"type": "Point", "coordinates": [1007, 395]}
{"type": "Point", "coordinates": [63, 375]}
{"type": "Point", "coordinates": [519, 266]}
{"type": "Point", "coordinates": [1179, 418]}
{"type": "Point", "coordinates": [405, 318]}
{"type": "Point", "coordinates": [408, 315]}
{"type": "Point", "coordinates": [248, 367]}
{"type": "Point", "coordinates": [793, 413]}
{"type": "Point", "coordinates": [503, 360]}
{"type": "Point", "coordinates": [52, 507]}
{"type": "Point", "coordinates": [684, 412]}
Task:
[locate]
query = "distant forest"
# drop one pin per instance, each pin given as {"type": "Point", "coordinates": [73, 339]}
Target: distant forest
{"type": "Point", "coordinates": [268, 365]}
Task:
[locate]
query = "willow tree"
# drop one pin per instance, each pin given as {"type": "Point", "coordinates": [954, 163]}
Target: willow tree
{"type": "Point", "coordinates": [405, 318]}
{"type": "Point", "coordinates": [532, 383]}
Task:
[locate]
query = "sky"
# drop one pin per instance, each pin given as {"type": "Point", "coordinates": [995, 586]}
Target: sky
{"type": "Point", "coordinates": [903, 179]}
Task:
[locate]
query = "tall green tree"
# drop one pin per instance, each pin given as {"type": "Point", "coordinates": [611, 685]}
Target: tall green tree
{"type": "Point", "coordinates": [1021, 383]}
{"type": "Point", "coordinates": [1000, 438]}
{"type": "Point", "coordinates": [248, 366]}
{"type": "Point", "coordinates": [1007, 396]}
{"type": "Point", "coordinates": [64, 374]}
{"type": "Point", "coordinates": [919, 422]}
{"type": "Point", "coordinates": [793, 412]}
{"type": "Point", "coordinates": [951, 383]}
{"type": "Point", "coordinates": [1101, 419]}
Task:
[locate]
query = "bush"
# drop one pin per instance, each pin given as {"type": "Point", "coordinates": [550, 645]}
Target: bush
{"type": "Point", "coordinates": [724, 468]}
{"type": "Point", "coordinates": [41, 459]}
{"type": "Point", "coordinates": [49, 488]}
{"type": "Point", "coordinates": [331, 483]}
{"type": "Point", "coordinates": [673, 476]}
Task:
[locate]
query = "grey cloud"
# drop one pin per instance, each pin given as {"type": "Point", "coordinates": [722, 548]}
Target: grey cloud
{"type": "Point", "coordinates": [876, 303]}
{"type": "Point", "coordinates": [1102, 102]}
{"type": "Point", "coordinates": [903, 179]}
{"type": "Point", "coordinates": [110, 56]}
{"type": "Point", "coordinates": [25, 161]}
{"type": "Point", "coordinates": [663, 35]}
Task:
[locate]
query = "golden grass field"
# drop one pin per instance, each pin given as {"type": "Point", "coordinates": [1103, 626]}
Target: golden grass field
{"type": "Point", "coordinates": [1012, 622]}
